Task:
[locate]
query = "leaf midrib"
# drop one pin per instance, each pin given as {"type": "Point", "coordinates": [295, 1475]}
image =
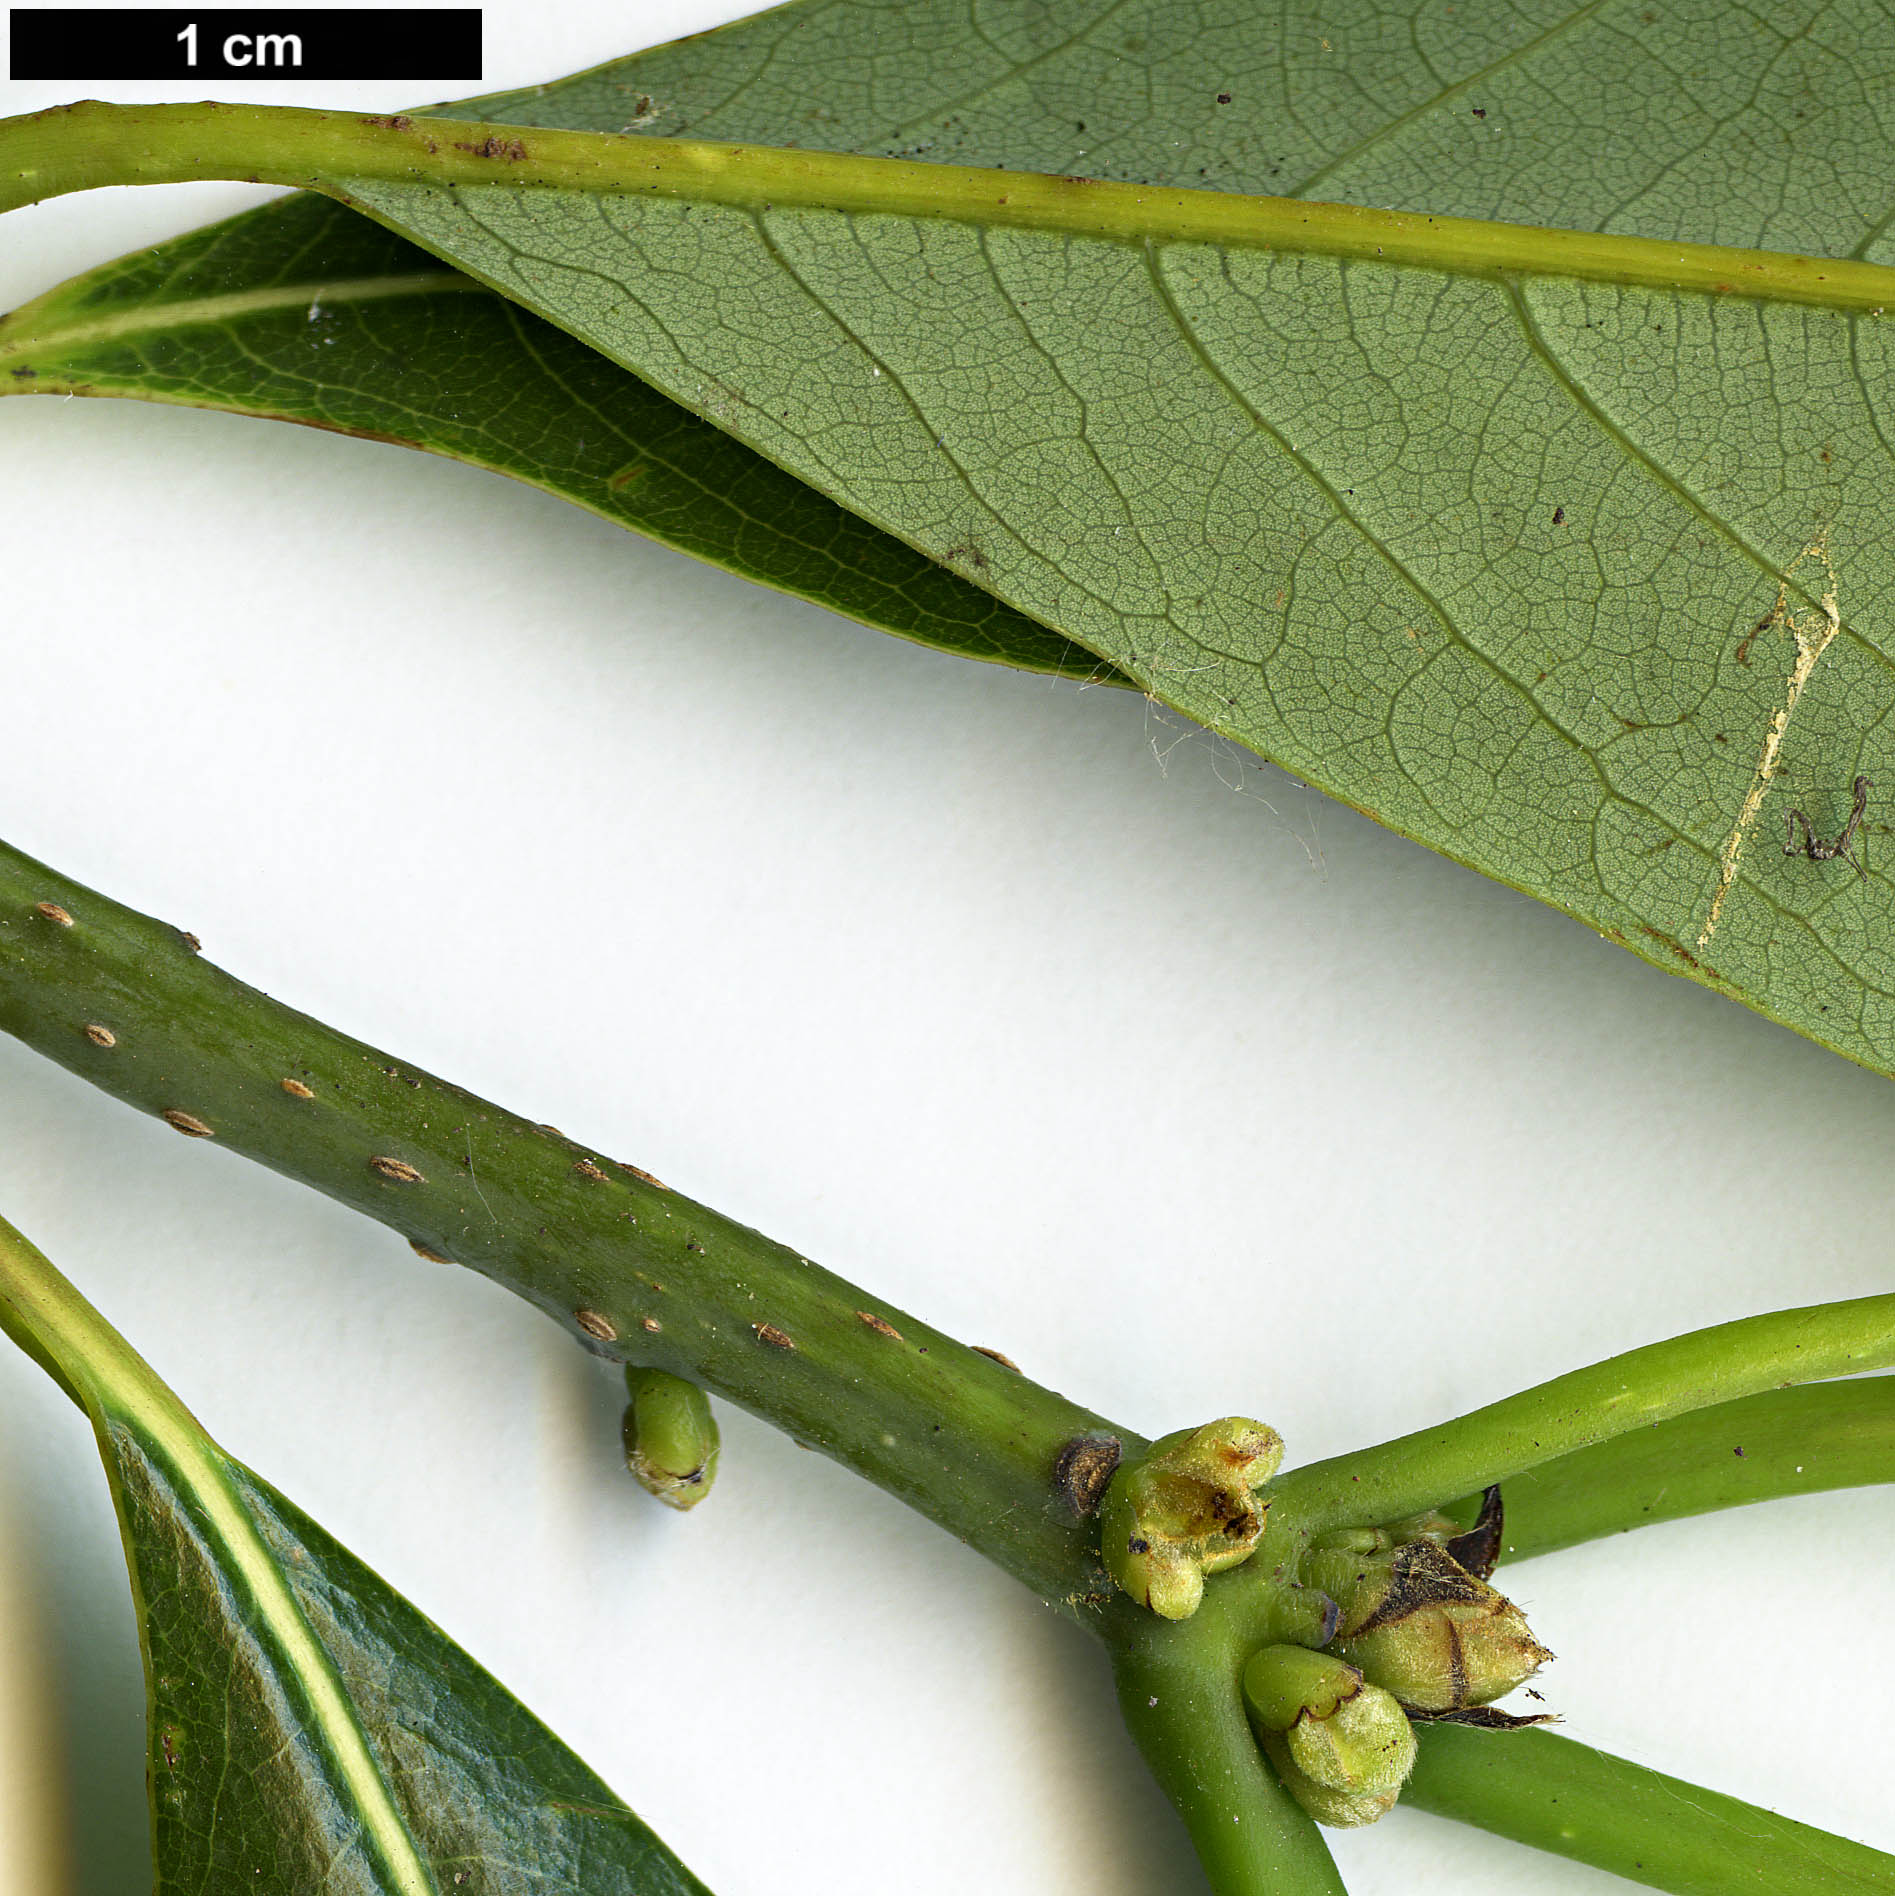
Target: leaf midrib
{"type": "Point", "coordinates": [200, 1470]}
{"type": "Point", "coordinates": [1310, 768]}
{"type": "Point", "coordinates": [82, 147]}
{"type": "Point", "coordinates": [18, 333]}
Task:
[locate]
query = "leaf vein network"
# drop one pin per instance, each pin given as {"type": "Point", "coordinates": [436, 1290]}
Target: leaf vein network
{"type": "Point", "coordinates": [900, 387]}
{"type": "Point", "coordinates": [1348, 517]}
{"type": "Point", "coordinates": [1015, 72]}
{"type": "Point", "coordinates": [1396, 126]}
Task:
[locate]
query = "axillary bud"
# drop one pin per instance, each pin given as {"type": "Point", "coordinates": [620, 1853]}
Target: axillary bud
{"type": "Point", "coordinates": [1187, 1508]}
{"type": "Point", "coordinates": [1417, 1622]}
{"type": "Point", "coordinates": [1342, 1746]}
{"type": "Point", "coordinates": [670, 1437]}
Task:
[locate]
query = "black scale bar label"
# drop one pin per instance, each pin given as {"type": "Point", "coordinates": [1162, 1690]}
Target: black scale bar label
{"type": "Point", "coordinates": [80, 44]}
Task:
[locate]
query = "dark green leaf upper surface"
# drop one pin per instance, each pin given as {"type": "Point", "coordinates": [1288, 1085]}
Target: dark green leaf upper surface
{"type": "Point", "coordinates": [492, 1797]}
{"type": "Point", "coordinates": [251, 1780]}
{"type": "Point", "coordinates": [304, 311]}
{"type": "Point", "coordinates": [247, 1788]}
{"type": "Point", "coordinates": [309, 1730]}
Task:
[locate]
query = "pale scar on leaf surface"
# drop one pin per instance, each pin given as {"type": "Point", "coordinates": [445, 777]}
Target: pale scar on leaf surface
{"type": "Point", "coordinates": [1812, 630]}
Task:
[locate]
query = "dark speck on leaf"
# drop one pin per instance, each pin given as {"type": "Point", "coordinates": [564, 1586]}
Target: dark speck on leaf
{"type": "Point", "coordinates": [1480, 111]}
{"type": "Point", "coordinates": [1559, 516]}
{"type": "Point", "coordinates": [1223, 98]}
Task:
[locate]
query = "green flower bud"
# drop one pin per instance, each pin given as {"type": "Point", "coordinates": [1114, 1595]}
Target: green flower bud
{"type": "Point", "coordinates": [1342, 1746]}
{"type": "Point", "coordinates": [1419, 1624]}
{"type": "Point", "coordinates": [1187, 1508]}
{"type": "Point", "coordinates": [670, 1437]}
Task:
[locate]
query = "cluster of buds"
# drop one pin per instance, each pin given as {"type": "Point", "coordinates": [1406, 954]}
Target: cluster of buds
{"type": "Point", "coordinates": [1185, 1508]}
{"type": "Point", "coordinates": [1418, 1635]}
{"type": "Point", "coordinates": [1410, 1628]}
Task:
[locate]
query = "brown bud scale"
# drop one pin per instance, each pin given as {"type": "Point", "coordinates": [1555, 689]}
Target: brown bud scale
{"type": "Point", "coordinates": [1083, 1468]}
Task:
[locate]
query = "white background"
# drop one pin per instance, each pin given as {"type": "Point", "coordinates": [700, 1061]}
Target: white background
{"type": "Point", "coordinates": [1054, 1021]}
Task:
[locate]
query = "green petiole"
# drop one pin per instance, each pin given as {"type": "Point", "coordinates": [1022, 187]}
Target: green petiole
{"type": "Point", "coordinates": [1807, 1440]}
{"type": "Point", "coordinates": [1625, 1393]}
{"type": "Point", "coordinates": [1557, 1795]}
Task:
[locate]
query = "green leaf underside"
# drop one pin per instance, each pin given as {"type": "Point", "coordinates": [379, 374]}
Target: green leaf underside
{"type": "Point", "coordinates": [1485, 559]}
{"type": "Point", "coordinates": [308, 1728]}
{"type": "Point", "coordinates": [304, 311]}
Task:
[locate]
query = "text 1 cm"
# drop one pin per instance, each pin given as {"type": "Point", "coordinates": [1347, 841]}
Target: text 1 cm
{"type": "Point", "coordinates": [249, 49]}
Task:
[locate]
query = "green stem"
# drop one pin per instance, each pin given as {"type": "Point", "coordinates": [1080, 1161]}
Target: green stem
{"type": "Point", "coordinates": [1783, 1442]}
{"type": "Point", "coordinates": [642, 1275]}
{"type": "Point", "coordinates": [1695, 1371]}
{"type": "Point", "coordinates": [78, 147]}
{"type": "Point", "coordinates": [1565, 1797]}
{"type": "Point", "coordinates": [1178, 1689]}
{"type": "Point", "coordinates": [632, 1270]}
